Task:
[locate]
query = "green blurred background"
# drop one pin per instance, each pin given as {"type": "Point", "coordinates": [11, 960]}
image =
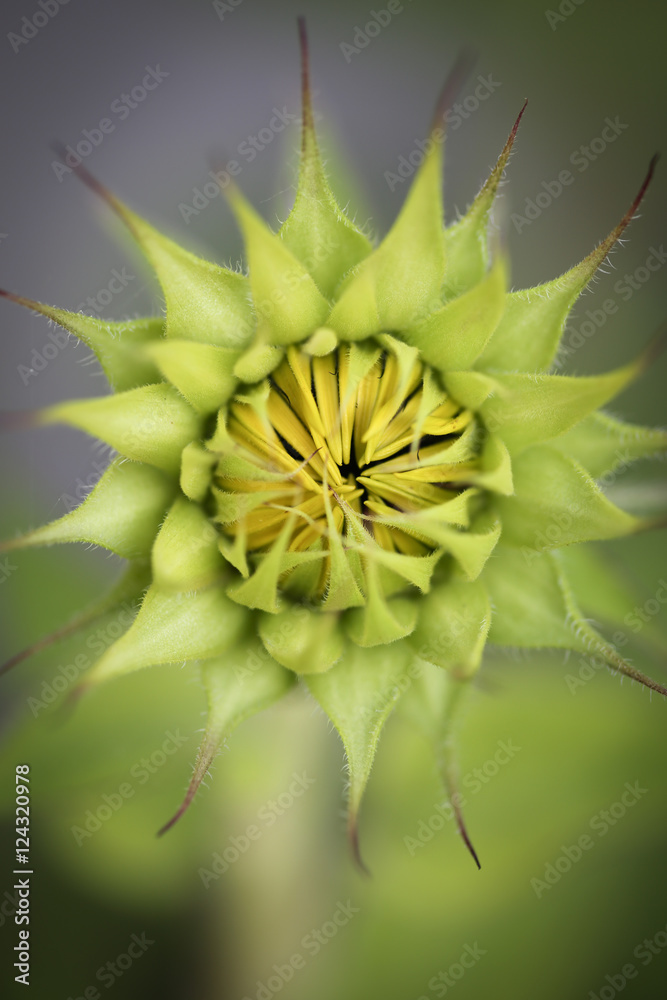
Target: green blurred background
{"type": "Point", "coordinates": [220, 935]}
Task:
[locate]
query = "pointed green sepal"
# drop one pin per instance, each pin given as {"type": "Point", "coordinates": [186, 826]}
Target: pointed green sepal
{"type": "Point", "coordinates": [235, 552]}
{"type": "Point", "coordinates": [471, 548]}
{"type": "Point", "coordinates": [453, 337]}
{"type": "Point", "coordinates": [466, 239]}
{"type": "Point", "coordinates": [196, 469]}
{"type": "Point", "coordinates": [258, 362]}
{"type": "Point", "coordinates": [117, 346]}
{"type": "Point", "coordinates": [171, 628]}
{"type": "Point", "coordinates": [322, 342]}
{"type": "Point", "coordinates": [604, 444]}
{"type": "Point", "coordinates": [453, 624]}
{"type": "Point", "coordinates": [122, 600]}
{"type": "Point", "coordinates": [203, 373]}
{"type": "Point", "coordinates": [285, 297]}
{"type": "Point", "coordinates": [260, 591]}
{"type": "Point", "coordinates": [382, 620]}
{"type": "Point", "coordinates": [303, 640]}
{"type": "Point", "coordinates": [122, 513]}
{"type": "Point", "coordinates": [186, 554]}
{"type": "Point", "coordinates": [470, 389]}
{"type": "Point", "coordinates": [597, 643]}
{"type": "Point", "coordinates": [528, 336]}
{"type": "Point", "coordinates": [417, 570]}
{"type": "Point", "coordinates": [530, 409]}
{"type": "Point", "coordinates": [151, 424]}
{"type": "Point", "coordinates": [495, 471]}
{"type": "Point", "coordinates": [534, 608]}
{"type": "Point", "coordinates": [455, 511]}
{"type": "Point", "coordinates": [433, 702]}
{"type": "Point", "coordinates": [358, 695]}
{"type": "Point", "coordinates": [605, 595]}
{"type": "Point", "coordinates": [401, 280]}
{"type": "Point", "coordinates": [556, 504]}
{"type": "Point", "coordinates": [342, 587]}
{"type": "Point", "coordinates": [234, 693]}
{"type": "Point", "coordinates": [317, 231]}
{"type": "Point", "coordinates": [205, 302]}
{"type": "Point", "coordinates": [529, 605]}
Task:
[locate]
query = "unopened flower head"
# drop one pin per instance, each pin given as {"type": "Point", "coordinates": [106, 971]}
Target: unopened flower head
{"type": "Point", "coordinates": [353, 455]}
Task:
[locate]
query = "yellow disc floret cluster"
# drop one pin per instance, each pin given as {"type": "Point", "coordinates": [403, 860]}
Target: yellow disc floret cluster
{"type": "Point", "coordinates": [374, 446]}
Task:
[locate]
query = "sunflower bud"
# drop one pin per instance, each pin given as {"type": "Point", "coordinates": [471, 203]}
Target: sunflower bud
{"type": "Point", "coordinates": [352, 460]}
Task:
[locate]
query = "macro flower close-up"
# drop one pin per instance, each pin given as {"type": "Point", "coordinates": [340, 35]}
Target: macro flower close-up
{"type": "Point", "coordinates": [345, 471]}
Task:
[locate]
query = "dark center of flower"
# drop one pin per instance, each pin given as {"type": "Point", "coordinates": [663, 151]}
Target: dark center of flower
{"type": "Point", "coordinates": [357, 435]}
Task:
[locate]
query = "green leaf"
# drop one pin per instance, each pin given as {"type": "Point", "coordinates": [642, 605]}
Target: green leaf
{"type": "Point", "coordinates": [529, 409]}
{"type": "Point", "coordinates": [556, 504]}
{"type": "Point", "coordinates": [358, 695]}
{"type": "Point", "coordinates": [122, 513]}
{"type": "Point", "coordinates": [604, 444]}
{"type": "Point", "coordinates": [466, 240]}
{"type": "Point", "coordinates": [117, 346]}
{"type": "Point", "coordinates": [151, 424]}
{"type": "Point", "coordinates": [285, 297]}
{"type": "Point", "coordinates": [452, 338]}
{"type": "Point", "coordinates": [203, 373]}
{"type": "Point", "coordinates": [235, 691]}
{"type": "Point", "coordinates": [316, 231]}
{"type": "Point", "coordinates": [171, 628]}
{"type": "Point", "coordinates": [453, 624]}
{"type": "Point", "coordinates": [401, 280]}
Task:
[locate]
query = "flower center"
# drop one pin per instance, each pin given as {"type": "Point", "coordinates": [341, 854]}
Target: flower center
{"type": "Point", "coordinates": [361, 434]}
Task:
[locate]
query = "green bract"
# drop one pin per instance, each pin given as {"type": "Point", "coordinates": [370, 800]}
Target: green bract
{"type": "Point", "coordinates": [349, 466]}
